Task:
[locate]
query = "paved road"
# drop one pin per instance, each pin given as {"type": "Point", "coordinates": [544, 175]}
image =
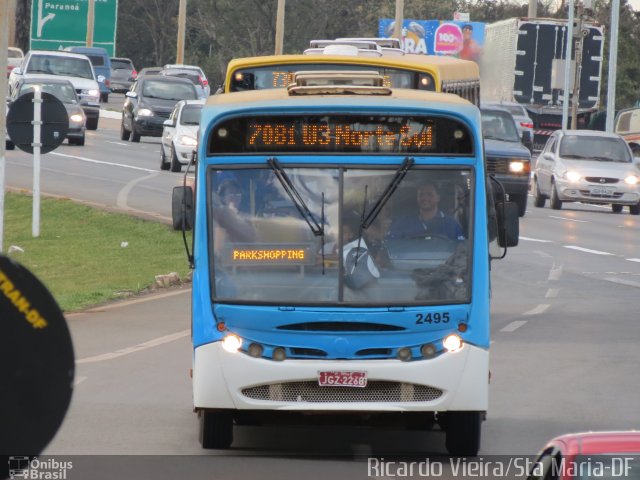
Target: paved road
{"type": "Point", "coordinates": [564, 356]}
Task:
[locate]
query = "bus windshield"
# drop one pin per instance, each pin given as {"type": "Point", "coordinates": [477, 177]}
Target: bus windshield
{"type": "Point", "coordinates": [279, 76]}
{"type": "Point", "coordinates": [414, 251]}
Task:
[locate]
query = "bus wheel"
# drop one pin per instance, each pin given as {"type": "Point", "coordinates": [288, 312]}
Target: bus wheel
{"type": "Point", "coordinates": [463, 433]}
{"type": "Point", "coordinates": [216, 429]}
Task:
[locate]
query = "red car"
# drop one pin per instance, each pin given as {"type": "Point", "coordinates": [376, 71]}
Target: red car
{"type": "Point", "coordinates": [590, 455]}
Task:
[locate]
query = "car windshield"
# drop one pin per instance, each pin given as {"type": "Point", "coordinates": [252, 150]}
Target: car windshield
{"type": "Point", "coordinates": [499, 125]}
{"type": "Point", "coordinates": [60, 65]}
{"type": "Point", "coordinates": [601, 149]}
{"type": "Point", "coordinates": [191, 115]}
{"type": "Point", "coordinates": [192, 76]}
{"type": "Point", "coordinates": [64, 93]}
{"type": "Point", "coordinates": [96, 60]}
{"type": "Point", "coordinates": [414, 251]}
{"type": "Point", "coordinates": [515, 110]}
{"type": "Point", "coordinates": [168, 90]}
{"type": "Point", "coordinates": [121, 64]}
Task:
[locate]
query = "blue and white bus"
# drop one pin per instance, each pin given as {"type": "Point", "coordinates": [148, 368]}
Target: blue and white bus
{"type": "Point", "coordinates": [341, 253]}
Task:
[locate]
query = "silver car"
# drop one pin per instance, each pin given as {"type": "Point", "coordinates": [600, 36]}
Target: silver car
{"type": "Point", "coordinates": [522, 119]}
{"type": "Point", "coordinates": [587, 166]}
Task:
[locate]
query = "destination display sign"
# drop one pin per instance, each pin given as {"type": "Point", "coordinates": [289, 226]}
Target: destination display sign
{"type": "Point", "coordinates": [341, 134]}
{"type": "Point", "coordinates": [250, 254]}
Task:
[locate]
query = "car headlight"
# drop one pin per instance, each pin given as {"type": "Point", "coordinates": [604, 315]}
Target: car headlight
{"type": "Point", "coordinates": [91, 92]}
{"type": "Point", "coordinates": [518, 166]}
{"type": "Point", "coordinates": [188, 141]}
{"type": "Point", "coordinates": [145, 112]}
{"type": "Point", "coordinates": [631, 180]}
{"type": "Point", "coordinates": [76, 118]}
{"type": "Point", "coordinates": [572, 176]}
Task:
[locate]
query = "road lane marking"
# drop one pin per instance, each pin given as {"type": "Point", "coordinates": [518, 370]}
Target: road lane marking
{"type": "Point", "coordinates": [620, 281]}
{"type": "Point", "coordinates": [539, 240]}
{"type": "Point", "coordinates": [552, 293]}
{"type": "Point", "coordinates": [538, 310]}
{"type": "Point", "coordinates": [633, 260]}
{"type": "Point", "coordinates": [118, 143]}
{"type": "Point", "coordinates": [136, 348]}
{"type": "Point", "coordinates": [513, 326]}
{"type": "Point", "coordinates": [123, 194]}
{"type": "Point", "coordinates": [126, 303]}
{"type": "Point", "coordinates": [100, 162]}
{"type": "Point", "coordinates": [555, 273]}
{"type": "Point", "coordinates": [587, 250]}
{"type": "Point", "coordinates": [79, 380]}
{"type": "Point", "coordinates": [569, 219]}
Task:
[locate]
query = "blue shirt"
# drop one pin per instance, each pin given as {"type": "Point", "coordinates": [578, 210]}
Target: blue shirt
{"type": "Point", "coordinates": [411, 226]}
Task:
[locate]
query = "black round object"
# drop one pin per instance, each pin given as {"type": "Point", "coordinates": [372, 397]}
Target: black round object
{"type": "Point", "coordinates": [36, 362]}
{"type": "Point", "coordinates": [54, 128]}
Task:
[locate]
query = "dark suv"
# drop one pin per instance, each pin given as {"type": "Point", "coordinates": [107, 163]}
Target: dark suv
{"type": "Point", "coordinates": [507, 159]}
{"type": "Point", "coordinates": [150, 102]}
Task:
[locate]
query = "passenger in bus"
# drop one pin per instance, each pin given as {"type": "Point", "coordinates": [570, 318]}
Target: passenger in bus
{"type": "Point", "coordinates": [429, 221]}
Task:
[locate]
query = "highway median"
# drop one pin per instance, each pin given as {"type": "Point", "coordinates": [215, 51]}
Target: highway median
{"type": "Point", "coordinates": [87, 256]}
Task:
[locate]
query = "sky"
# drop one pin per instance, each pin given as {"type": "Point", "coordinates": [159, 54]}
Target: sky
{"type": "Point", "coordinates": [634, 3]}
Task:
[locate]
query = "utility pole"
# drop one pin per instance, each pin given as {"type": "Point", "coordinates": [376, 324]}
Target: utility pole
{"type": "Point", "coordinates": [613, 63]}
{"type": "Point", "coordinates": [280, 27]}
{"type": "Point", "coordinates": [397, 31]}
{"type": "Point", "coordinates": [566, 95]}
{"type": "Point", "coordinates": [533, 9]}
{"type": "Point", "coordinates": [182, 27]}
{"type": "Point", "coordinates": [4, 41]}
{"type": "Point", "coordinates": [90, 21]}
{"type": "Point", "coordinates": [575, 103]}
{"type": "Point", "coordinates": [11, 18]}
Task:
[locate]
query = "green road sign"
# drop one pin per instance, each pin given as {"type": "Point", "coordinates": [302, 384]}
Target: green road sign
{"type": "Point", "coordinates": [56, 24]}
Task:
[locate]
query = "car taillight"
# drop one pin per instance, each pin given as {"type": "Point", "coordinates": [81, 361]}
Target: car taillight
{"type": "Point", "coordinates": [202, 81]}
{"type": "Point", "coordinates": [134, 74]}
{"type": "Point", "coordinates": [526, 124]}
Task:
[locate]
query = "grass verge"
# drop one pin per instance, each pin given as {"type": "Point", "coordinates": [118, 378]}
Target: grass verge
{"type": "Point", "coordinates": [80, 255]}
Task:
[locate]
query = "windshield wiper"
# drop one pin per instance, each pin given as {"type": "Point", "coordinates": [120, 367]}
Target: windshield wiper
{"type": "Point", "coordinates": [573, 156]}
{"type": "Point", "coordinates": [386, 195]}
{"type": "Point", "coordinates": [295, 197]}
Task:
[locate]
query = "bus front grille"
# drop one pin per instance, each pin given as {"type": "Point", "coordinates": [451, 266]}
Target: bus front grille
{"type": "Point", "coordinates": [311, 392]}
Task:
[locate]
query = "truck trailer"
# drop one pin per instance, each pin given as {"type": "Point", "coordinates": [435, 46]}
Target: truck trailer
{"type": "Point", "coordinates": [523, 61]}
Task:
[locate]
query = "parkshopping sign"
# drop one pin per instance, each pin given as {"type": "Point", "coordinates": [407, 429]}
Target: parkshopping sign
{"type": "Point", "coordinates": [56, 24]}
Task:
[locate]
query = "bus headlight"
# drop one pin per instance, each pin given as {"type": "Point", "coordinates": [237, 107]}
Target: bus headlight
{"type": "Point", "coordinates": [232, 343]}
{"type": "Point", "coordinates": [452, 343]}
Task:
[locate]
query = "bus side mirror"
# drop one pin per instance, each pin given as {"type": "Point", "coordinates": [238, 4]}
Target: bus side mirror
{"type": "Point", "coordinates": [508, 224]}
{"type": "Point", "coordinates": [182, 208]}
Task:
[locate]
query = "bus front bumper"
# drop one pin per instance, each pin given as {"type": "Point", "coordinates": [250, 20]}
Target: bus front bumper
{"type": "Point", "coordinates": [451, 381]}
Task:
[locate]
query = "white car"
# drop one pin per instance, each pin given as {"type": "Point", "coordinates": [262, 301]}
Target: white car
{"type": "Point", "coordinates": [14, 58]}
{"type": "Point", "coordinates": [203, 82]}
{"type": "Point", "coordinates": [68, 66]}
{"type": "Point", "coordinates": [180, 135]}
{"type": "Point", "coordinates": [587, 166]}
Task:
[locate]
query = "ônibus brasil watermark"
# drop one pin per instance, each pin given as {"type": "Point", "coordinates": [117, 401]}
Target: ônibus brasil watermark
{"type": "Point", "coordinates": [36, 469]}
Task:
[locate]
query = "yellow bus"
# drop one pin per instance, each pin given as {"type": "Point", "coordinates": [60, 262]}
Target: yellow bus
{"type": "Point", "coordinates": [420, 72]}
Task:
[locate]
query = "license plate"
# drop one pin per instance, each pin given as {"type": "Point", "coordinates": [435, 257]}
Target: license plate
{"type": "Point", "coordinates": [342, 379]}
{"type": "Point", "coordinates": [603, 190]}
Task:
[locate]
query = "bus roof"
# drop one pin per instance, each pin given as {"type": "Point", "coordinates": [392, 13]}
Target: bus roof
{"type": "Point", "coordinates": [448, 69]}
{"type": "Point", "coordinates": [403, 98]}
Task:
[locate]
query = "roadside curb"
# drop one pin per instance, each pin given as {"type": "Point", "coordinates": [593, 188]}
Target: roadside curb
{"type": "Point", "coordinates": [110, 114]}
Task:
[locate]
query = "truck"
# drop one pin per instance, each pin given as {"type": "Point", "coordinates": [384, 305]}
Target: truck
{"type": "Point", "coordinates": [627, 124]}
{"type": "Point", "coordinates": [523, 61]}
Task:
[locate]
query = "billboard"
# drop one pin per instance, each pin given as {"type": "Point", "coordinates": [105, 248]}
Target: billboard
{"type": "Point", "coordinates": [436, 37]}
